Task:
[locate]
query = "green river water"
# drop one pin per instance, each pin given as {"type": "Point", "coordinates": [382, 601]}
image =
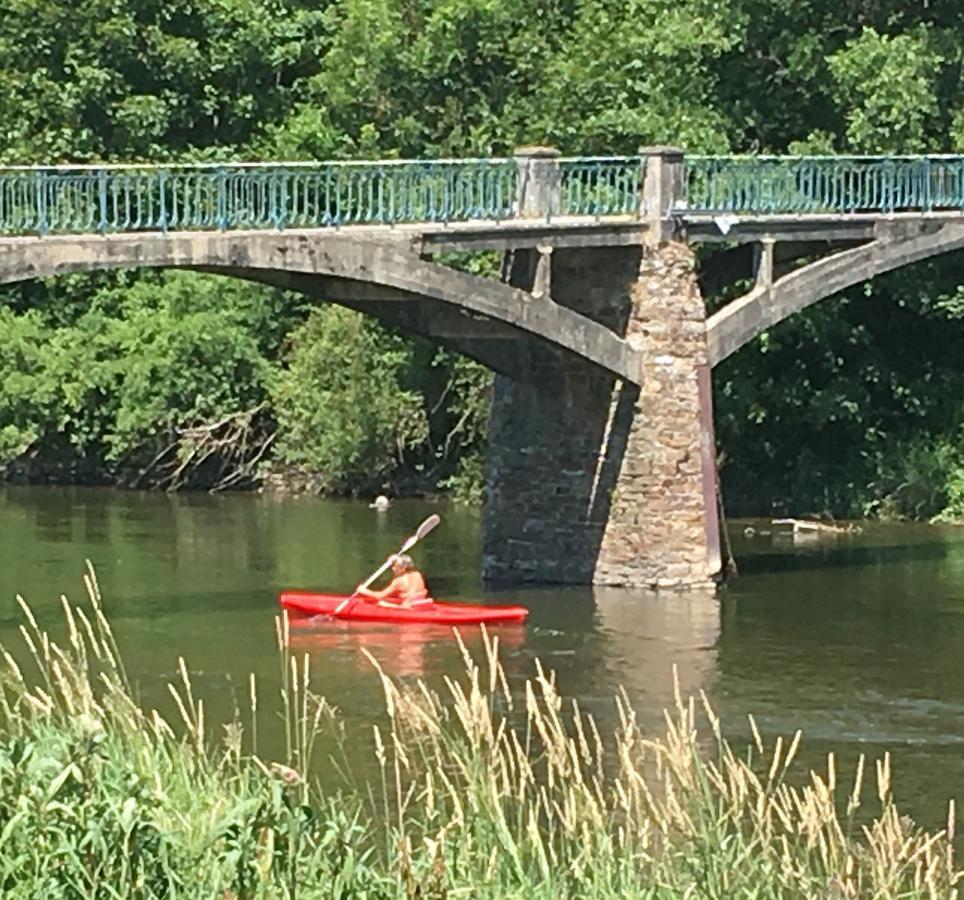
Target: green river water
{"type": "Point", "coordinates": [857, 640]}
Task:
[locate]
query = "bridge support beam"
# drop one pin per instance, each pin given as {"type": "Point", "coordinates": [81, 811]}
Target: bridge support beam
{"type": "Point", "coordinates": [590, 479]}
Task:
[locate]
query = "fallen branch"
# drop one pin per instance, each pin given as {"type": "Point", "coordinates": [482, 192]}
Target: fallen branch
{"type": "Point", "coordinates": [214, 455]}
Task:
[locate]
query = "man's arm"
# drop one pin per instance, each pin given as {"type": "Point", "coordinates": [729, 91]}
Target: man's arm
{"type": "Point", "coordinates": [384, 594]}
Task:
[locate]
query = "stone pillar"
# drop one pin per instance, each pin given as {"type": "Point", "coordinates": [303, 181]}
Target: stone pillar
{"type": "Point", "coordinates": [663, 188]}
{"type": "Point", "coordinates": [537, 186]}
{"type": "Point", "coordinates": [550, 470]}
{"type": "Point", "coordinates": [593, 480]}
{"type": "Point", "coordinates": [663, 520]}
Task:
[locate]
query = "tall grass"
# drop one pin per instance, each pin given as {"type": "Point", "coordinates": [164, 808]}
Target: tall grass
{"type": "Point", "coordinates": [101, 798]}
{"type": "Point", "coordinates": [482, 793]}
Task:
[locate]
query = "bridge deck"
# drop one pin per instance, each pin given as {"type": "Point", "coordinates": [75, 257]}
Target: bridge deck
{"type": "Point", "coordinates": [577, 231]}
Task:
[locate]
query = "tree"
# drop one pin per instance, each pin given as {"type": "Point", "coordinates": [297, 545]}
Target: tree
{"type": "Point", "coordinates": [148, 80]}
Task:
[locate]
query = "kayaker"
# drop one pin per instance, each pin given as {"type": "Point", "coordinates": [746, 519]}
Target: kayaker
{"type": "Point", "coordinates": [407, 589]}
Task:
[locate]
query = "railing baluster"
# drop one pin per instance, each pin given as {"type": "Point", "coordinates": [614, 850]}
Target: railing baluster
{"type": "Point", "coordinates": [41, 203]}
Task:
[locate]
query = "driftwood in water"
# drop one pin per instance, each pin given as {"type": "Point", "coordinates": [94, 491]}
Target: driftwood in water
{"type": "Point", "coordinates": [799, 526]}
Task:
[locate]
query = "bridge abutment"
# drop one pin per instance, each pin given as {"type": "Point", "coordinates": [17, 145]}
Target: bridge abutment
{"type": "Point", "coordinates": [589, 478]}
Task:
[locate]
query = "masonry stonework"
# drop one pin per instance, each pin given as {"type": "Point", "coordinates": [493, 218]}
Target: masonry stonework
{"type": "Point", "coordinates": [589, 478]}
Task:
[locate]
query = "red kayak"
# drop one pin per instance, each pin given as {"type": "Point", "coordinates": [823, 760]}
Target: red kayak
{"type": "Point", "coordinates": [307, 603]}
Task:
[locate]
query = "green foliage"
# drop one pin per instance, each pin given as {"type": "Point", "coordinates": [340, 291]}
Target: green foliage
{"type": "Point", "coordinates": [101, 79]}
{"type": "Point", "coordinates": [953, 511]}
{"type": "Point", "coordinates": [176, 355]}
{"type": "Point", "coordinates": [638, 73]}
{"type": "Point", "coordinates": [888, 85]}
{"type": "Point", "coordinates": [134, 379]}
{"type": "Point", "coordinates": [913, 482]}
{"type": "Point", "coordinates": [467, 484]}
{"type": "Point", "coordinates": [461, 428]}
{"type": "Point", "coordinates": [849, 407]}
{"type": "Point", "coordinates": [27, 397]}
{"type": "Point", "coordinates": [443, 77]}
{"type": "Point", "coordinates": [340, 408]}
{"type": "Point", "coordinates": [143, 361]}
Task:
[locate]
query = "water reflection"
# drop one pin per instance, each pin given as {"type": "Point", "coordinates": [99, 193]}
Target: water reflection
{"type": "Point", "coordinates": [599, 640]}
{"type": "Point", "coordinates": [415, 650]}
{"type": "Point", "coordinates": [650, 632]}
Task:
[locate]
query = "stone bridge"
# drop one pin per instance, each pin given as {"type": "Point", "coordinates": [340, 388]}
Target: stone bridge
{"type": "Point", "coordinates": [601, 465]}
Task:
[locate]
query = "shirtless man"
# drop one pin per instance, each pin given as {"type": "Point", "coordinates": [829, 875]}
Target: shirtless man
{"type": "Point", "coordinates": [407, 588]}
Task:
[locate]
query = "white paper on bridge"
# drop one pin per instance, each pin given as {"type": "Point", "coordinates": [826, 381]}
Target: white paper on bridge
{"type": "Point", "coordinates": [726, 222]}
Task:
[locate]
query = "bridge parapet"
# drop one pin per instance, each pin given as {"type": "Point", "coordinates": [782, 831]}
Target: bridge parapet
{"type": "Point", "coordinates": [774, 185]}
{"type": "Point", "coordinates": [132, 198]}
{"type": "Point", "coordinates": [535, 184]}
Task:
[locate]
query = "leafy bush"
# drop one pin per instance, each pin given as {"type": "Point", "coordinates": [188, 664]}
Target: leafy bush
{"type": "Point", "coordinates": [183, 380]}
{"type": "Point", "coordinates": [850, 403]}
{"type": "Point", "coordinates": [467, 399]}
{"type": "Point", "coordinates": [123, 386]}
{"type": "Point", "coordinates": [340, 408]}
{"type": "Point", "coordinates": [913, 482]}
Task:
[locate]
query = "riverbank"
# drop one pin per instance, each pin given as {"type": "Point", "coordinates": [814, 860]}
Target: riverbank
{"type": "Point", "coordinates": [177, 381]}
{"type": "Point", "coordinates": [489, 790]}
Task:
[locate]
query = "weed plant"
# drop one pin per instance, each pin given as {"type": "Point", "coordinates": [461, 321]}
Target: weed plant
{"type": "Point", "coordinates": [481, 794]}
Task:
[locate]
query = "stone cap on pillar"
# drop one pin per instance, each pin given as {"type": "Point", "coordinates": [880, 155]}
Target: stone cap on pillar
{"type": "Point", "coordinates": [668, 153]}
{"type": "Point", "coordinates": [537, 191]}
{"type": "Point", "coordinates": [537, 151]}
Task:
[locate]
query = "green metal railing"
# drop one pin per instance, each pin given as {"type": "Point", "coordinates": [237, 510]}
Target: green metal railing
{"type": "Point", "coordinates": [133, 198]}
{"type": "Point", "coordinates": [600, 186]}
{"type": "Point", "coordinates": [772, 185]}
{"type": "Point", "coordinates": [112, 199]}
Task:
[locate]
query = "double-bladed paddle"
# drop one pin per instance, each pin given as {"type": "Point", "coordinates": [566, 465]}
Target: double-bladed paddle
{"type": "Point", "coordinates": [423, 530]}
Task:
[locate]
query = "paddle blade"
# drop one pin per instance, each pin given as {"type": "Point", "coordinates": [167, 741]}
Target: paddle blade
{"type": "Point", "coordinates": [423, 530]}
{"type": "Point", "coordinates": [426, 526]}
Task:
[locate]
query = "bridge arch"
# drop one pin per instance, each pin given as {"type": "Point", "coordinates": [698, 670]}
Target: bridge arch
{"type": "Point", "coordinates": [768, 304]}
{"type": "Point", "coordinates": [380, 269]}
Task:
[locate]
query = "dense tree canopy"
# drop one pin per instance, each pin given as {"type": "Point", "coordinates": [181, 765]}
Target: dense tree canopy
{"type": "Point", "coordinates": [851, 407]}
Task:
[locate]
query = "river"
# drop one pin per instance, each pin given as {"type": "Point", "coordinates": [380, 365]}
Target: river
{"type": "Point", "coordinates": [857, 640]}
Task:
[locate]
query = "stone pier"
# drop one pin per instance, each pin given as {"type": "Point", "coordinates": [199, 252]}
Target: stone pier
{"type": "Point", "coordinates": [590, 479]}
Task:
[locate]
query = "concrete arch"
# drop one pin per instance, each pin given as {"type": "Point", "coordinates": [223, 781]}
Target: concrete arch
{"type": "Point", "coordinates": [766, 305]}
{"type": "Point", "coordinates": [499, 347]}
{"type": "Point", "coordinates": [388, 265]}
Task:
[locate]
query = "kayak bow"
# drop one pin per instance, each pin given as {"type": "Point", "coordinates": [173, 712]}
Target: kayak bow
{"type": "Point", "coordinates": [308, 603]}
